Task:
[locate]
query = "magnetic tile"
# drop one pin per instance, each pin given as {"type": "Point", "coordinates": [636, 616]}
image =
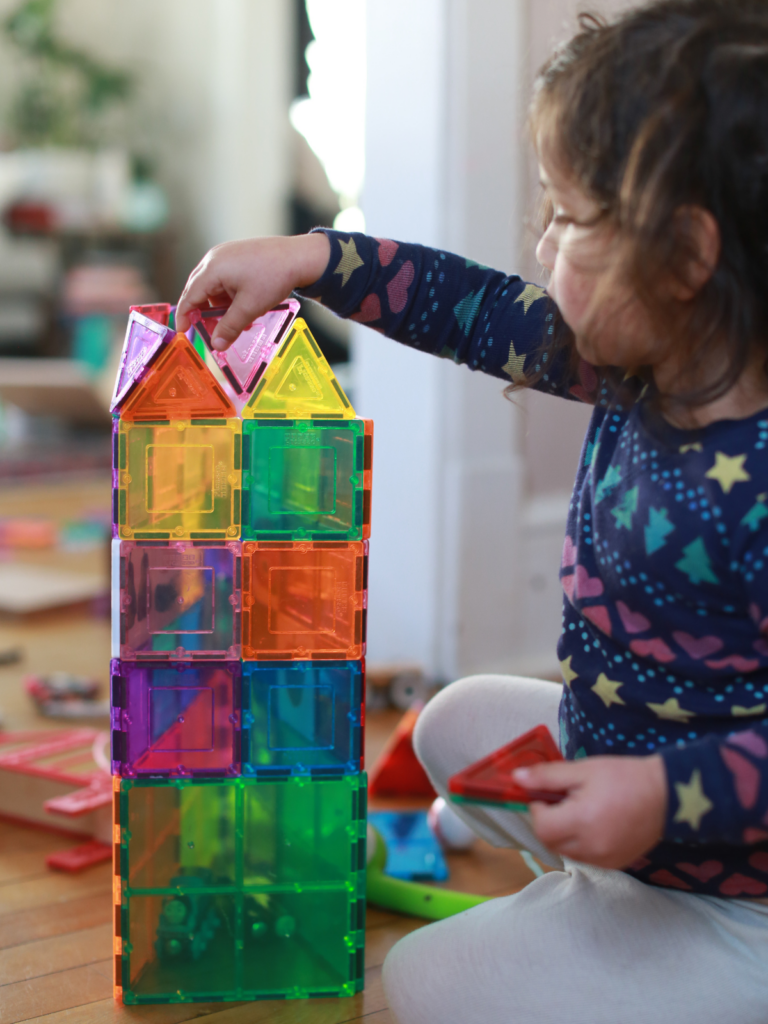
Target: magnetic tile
{"type": "Point", "coordinates": [239, 889]}
{"type": "Point", "coordinates": [305, 479]}
{"type": "Point", "coordinates": [179, 718]}
{"type": "Point", "coordinates": [177, 600]}
{"type": "Point", "coordinates": [298, 383]}
{"type": "Point", "coordinates": [302, 717]}
{"type": "Point", "coordinates": [246, 359]}
{"type": "Point", "coordinates": [144, 339]}
{"type": "Point", "coordinates": [178, 386]}
{"type": "Point", "coordinates": [304, 601]}
{"type": "Point", "coordinates": [177, 480]}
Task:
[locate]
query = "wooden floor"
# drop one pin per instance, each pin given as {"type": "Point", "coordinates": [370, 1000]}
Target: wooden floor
{"type": "Point", "coordinates": [55, 929]}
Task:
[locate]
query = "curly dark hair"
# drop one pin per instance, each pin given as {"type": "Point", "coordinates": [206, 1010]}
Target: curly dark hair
{"type": "Point", "coordinates": [662, 109]}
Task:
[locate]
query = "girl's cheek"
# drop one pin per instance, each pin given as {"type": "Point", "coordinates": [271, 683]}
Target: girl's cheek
{"type": "Point", "coordinates": [572, 293]}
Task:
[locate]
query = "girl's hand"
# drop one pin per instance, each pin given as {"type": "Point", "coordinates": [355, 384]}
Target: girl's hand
{"type": "Point", "coordinates": [251, 277]}
{"type": "Point", "coordinates": [613, 811]}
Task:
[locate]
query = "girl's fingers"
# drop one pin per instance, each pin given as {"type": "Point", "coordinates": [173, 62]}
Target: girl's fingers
{"type": "Point", "coordinates": [204, 283]}
{"type": "Point", "coordinates": [553, 775]}
{"type": "Point", "coordinates": [195, 296]}
{"type": "Point", "coordinates": [556, 825]}
{"type": "Point", "coordinates": [239, 315]}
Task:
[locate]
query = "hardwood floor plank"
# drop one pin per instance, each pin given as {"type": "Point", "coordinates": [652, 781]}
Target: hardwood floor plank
{"type": "Point", "coordinates": [54, 889]}
{"type": "Point", "coordinates": [27, 869]}
{"type": "Point", "coordinates": [48, 956]}
{"type": "Point", "coordinates": [487, 870]}
{"type": "Point", "coordinates": [379, 941]}
{"type": "Point", "coordinates": [67, 917]}
{"type": "Point", "coordinates": [107, 1011]}
{"type": "Point", "coordinates": [361, 1007]}
{"type": "Point", "coordinates": [374, 916]}
{"type": "Point", "coordinates": [23, 851]}
{"type": "Point", "coordinates": [65, 989]}
{"type": "Point", "coordinates": [378, 728]}
{"type": "Point", "coordinates": [100, 1010]}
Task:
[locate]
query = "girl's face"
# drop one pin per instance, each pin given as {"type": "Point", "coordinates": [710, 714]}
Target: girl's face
{"type": "Point", "coordinates": [580, 249]}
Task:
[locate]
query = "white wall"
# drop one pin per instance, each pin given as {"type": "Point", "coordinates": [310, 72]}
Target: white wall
{"type": "Point", "coordinates": [442, 115]}
{"type": "Point", "coordinates": [470, 490]}
{"type": "Point", "coordinates": [396, 386]}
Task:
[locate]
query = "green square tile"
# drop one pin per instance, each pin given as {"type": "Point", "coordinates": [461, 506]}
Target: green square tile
{"type": "Point", "coordinates": [304, 480]}
{"type": "Point", "coordinates": [182, 947]}
{"type": "Point", "coordinates": [241, 888]}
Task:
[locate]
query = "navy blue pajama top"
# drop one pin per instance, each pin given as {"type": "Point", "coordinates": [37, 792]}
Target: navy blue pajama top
{"type": "Point", "coordinates": [664, 647]}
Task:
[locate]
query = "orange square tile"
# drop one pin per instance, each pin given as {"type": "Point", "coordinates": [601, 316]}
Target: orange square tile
{"type": "Point", "coordinates": [304, 601]}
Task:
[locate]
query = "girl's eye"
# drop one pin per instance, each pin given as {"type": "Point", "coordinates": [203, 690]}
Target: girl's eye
{"type": "Point", "coordinates": [562, 219]}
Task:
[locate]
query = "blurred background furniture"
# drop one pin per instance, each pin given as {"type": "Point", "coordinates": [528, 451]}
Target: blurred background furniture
{"type": "Point", "coordinates": [135, 136]}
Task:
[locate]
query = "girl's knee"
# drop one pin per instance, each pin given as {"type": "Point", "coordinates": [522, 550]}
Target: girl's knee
{"type": "Point", "coordinates": [475, 715]}
{"type": "Point", "coordinates": [439, 717]}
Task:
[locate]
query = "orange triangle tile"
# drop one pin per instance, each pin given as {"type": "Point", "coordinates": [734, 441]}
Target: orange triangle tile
{"type": "Point", "coordinates": [178, 387]}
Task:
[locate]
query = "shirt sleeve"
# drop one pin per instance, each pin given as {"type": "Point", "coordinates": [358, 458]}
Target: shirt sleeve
{"type": "Point", "coordinates": [718, 784]}
{"type": "Point", "coordinates": [451, 307]}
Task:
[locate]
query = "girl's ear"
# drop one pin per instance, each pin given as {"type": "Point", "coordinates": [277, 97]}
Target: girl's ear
{"type": "Point", "coordinates": [698, 237]}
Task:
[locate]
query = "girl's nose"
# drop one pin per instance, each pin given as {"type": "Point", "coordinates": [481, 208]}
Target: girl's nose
{"type": "Point", "coordinates": [546, 250]}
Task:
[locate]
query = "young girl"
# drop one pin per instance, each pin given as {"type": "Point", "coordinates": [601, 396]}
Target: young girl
{"type": "Point", "coordinates": [652, 137]}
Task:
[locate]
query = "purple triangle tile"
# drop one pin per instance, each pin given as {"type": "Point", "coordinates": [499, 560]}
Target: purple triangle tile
{"type": "Point", "coordinates": [246, 359]}
{"type": "Point", "coordinates": [143, 341]}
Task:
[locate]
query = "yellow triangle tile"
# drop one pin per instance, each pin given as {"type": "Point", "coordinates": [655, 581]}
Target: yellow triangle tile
{"type": "Point", "coordinates": [298, 384]}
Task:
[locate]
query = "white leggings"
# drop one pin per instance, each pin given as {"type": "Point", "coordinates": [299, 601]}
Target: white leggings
{"type": "Point", "coordinates": [579, 945]}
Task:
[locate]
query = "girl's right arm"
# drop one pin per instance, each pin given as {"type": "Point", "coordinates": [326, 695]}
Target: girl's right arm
{"type": "Point", "coordinates": [426, 298]}
{"type": "Point", "coordinates": [251, 276]}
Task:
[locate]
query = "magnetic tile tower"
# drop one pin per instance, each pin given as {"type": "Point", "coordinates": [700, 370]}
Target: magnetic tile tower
{"type": "Point", "coordinates": [241, 511]}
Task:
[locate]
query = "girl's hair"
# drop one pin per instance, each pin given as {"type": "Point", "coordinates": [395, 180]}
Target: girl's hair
{"type": "Point", "coordinates": [663, 109]}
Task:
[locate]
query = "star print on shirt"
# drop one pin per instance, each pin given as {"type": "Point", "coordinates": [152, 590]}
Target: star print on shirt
{"type": "Point", "coordinates": [728, 470]}
{"type": "Point", "coordinates": [349, 262]}
{"type": "Point", "coordinates": [568, 673]}
{"type": "Point", "coordinates": [530, 294]}
{"type": "Point", "coordinates": [605, 689]}
{"type": "Point", "coordinates": [739, 712]}
{"type": "Point", "coordinates": [671, 709]}
{"type": "Point", "coordinates": [514, 365]}
{"type": "Point", "coordinates": [693, 801]}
